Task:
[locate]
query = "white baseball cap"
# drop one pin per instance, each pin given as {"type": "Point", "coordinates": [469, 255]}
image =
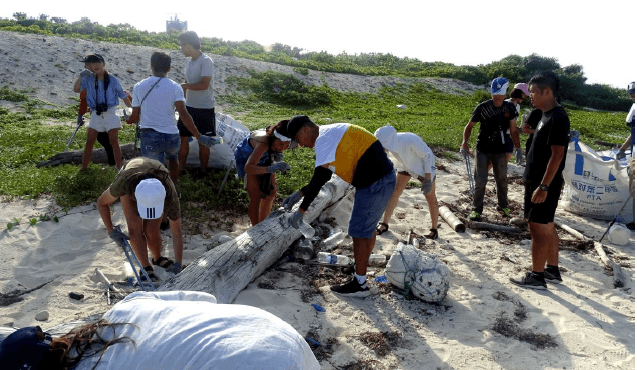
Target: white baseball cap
{"type": "Point", "coordinates": [150, 195]}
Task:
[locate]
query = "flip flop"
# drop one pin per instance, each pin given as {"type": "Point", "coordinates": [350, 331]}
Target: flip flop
{"type": "Point", "coordinates": [163, 262]}
{"type": "Point", "coordinates": [380, 231]}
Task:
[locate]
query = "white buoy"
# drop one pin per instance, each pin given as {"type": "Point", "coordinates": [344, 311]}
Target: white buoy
{"type": "Point", "coordinates": [618, 234]}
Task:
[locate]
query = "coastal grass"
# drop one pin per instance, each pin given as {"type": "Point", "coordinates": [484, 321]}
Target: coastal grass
{"type": "Point", "coordinates": [267, 97]}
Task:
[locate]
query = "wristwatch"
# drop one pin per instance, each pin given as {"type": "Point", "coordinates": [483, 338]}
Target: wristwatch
{"type": "Point", "coordinates": [544, 187]}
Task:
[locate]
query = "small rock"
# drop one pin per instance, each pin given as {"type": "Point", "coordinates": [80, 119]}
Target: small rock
{"type": "Point", "coordinates": [42, 315]}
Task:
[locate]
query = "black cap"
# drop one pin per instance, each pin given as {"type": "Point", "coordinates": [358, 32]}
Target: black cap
{"type": "Point", "coordinates": [295, 125]}
{"type": "Point", "coordinates": [93, 58]}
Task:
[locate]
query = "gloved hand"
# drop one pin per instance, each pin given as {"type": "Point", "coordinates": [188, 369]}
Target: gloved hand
{"type": "Point", "coordinates": [294, 219]}
{"type": "Point", "coordinates": [621, 154]}
{"type": "Point", "coordinates": [276, 157]}
{"type": "Point", "coordinates": [426, 186]}
{"type": "Point", "coordinates": [80, 120]}
{"type": "Point", "coordinates": [209, 140]}
{"type": "Point", "coordinates": [464, 153]}
{"type": "Point", "coordinates": [175, 268]}
{"type": "Point", "coordinates": [290, 201]}
{"type": "Point", "coordinates": [86, 73]}
{"type": "Point", "coordinates": [519, 156]}
{"type": "Point", "coordinates": [118, 236]}
{"type": "Point", "coordinates": [279, 167]}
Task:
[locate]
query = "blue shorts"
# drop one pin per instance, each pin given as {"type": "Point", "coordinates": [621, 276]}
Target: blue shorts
{"type": "Point", "coordinates": [243, 152]}
{"type": "Point", "coordinates": [156, 145]}
{"type": "Point", "coordinates": [369, 206]}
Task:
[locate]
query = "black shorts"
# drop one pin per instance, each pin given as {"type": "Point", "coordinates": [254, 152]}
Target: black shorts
{"type": "Point", "coordinates": [204, 121]}
{"type": "Point", "coordinates": [542, 213]}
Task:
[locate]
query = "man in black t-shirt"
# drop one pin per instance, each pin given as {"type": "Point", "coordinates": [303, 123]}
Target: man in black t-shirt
{"type": "Point", "coordinates": [496, 116]}
{"type": "Point", "coordinates": [543, 181]}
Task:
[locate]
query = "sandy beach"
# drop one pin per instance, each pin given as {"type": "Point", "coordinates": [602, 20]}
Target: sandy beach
{"type": "Point", "coordinates": [584, 323]}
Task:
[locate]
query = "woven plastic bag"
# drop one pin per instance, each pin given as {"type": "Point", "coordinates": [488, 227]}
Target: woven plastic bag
{"type": "Point", "coordinates": [422, 273]}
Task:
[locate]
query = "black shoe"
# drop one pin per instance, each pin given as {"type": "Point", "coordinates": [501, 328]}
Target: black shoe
{"type": "Point", "coordinates": [553, 277]}
{"type": "Point", "coordinates": [529, 281]}
{"type": "Point", "coordinates": [433, 234]}
{"type": "Point", "coordinates": [352, 289]}
{"type": "Point", "coordinates": [151, 274]}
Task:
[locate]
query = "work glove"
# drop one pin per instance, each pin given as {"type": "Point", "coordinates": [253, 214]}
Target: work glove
{"type": "Point", "coordinates": [295, 219]}
{"type": "Point", "coordinates": [118, 236]}
{"type": "Point", "coordinates": [290, 201]}
{"type": "Point", "coordinates": [426, 186]}
{"type": "Point", "coordinates": [276, 157]}
{"type": "Point", "coordinates": [519, 156]}
{"type": "Point", "coordinates": [279, 167]}
{"type": "Point", "coordinates": [620, 155]}
{"type": "Point", "coordinates": [175, 268]}
{"type": "Point", "coordinates": [80, 120]}
{"type": "Point", "coordinates": [209, 140]}
{"type": "Point", "coordinates": [86, 73]}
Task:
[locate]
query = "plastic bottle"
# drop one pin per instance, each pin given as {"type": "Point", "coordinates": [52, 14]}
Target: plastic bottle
{"type": "Point", "coordinates": [333, 240]}
{"type": "Point", "coordinates": [302, 249]}
{"type": "Point", "coordinates": [129, 275]}
{"type": "Point", "coordinates": [332, 259]}
{"type": "Point", "coordinates": [306, 230]}
{"type": "Point", "coordinates": [377, 259]}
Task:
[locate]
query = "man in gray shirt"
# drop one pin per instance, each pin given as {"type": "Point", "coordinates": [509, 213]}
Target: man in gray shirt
{"type": "Point", "coordinates": [200, 100]}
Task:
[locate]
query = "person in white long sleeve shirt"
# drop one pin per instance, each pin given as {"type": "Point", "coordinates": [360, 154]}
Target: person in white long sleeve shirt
{"type": "Point", "coordinates": [415, 160]}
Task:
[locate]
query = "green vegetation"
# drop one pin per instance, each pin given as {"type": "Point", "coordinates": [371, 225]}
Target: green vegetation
{"type": "Point", "coordinates": [514, 67]}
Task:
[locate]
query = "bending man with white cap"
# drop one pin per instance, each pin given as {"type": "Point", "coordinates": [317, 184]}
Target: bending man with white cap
{"type": "Point", "coordinates": [496, 116]}
{"type": "Point", "coordinates": [146, 191]}
{"type": "Point", "coordinates": [417, 160]}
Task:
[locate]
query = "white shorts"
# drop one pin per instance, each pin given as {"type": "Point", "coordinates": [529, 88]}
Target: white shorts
{"type": "Point", "coordinates": [106, 121]}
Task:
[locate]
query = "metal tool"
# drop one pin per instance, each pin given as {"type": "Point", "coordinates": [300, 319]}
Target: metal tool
{"type": "Point", "coordinates": [128, 250]}
{"type": "Point", "coordinates": [72, 137]}
{"type": "Point", "coordinates": [467, 160]}
{"type": "Point", "coordinates": [225, 177]}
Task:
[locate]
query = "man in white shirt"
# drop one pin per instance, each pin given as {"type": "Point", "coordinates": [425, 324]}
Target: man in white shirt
{"type": "Point", "coordinates": [200, 100]}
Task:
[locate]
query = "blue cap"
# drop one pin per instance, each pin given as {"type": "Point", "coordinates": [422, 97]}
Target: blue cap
{"type": "Point", "coordinates": [24, 348]}
{"type": "Point", "coordinates": [499, 86]}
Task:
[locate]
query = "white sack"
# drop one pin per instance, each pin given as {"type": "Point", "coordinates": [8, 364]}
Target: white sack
{"type": "Point", "coordinates": [222, 155]}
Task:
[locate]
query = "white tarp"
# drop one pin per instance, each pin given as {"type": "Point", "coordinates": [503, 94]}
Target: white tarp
{"type": "Point", "coordinates": [222, 155]}
{"type": "Point", "coordinates": [596, 186]}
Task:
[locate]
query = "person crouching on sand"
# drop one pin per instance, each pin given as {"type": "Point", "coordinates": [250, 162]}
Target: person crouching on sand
{"type": "Point", "coordinates": [258, 157]}
{"type": "Point", "coordinates": [417, 160]}
{"type": "Point", "coordinates": [103, 92]}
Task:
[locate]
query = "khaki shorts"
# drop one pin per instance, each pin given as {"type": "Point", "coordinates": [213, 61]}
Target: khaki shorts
{"type": "Point", "coordinates": [106, 121]}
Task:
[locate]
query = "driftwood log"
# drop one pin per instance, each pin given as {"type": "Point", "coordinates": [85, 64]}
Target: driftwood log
{"type": "Point", "coordinates": [494, 227]}
{"type": "Point", "coordinates": [99, 156]}
{"type": "Point", "coordinates": [451, 219]}
{"type": "Point", "coordinates": [618, 276]}
{"type": "Point", "coordinates": [226, 270]}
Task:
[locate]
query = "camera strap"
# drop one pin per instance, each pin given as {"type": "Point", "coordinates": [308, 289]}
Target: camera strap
{"type": "Point", "coordinates": [151, 89]}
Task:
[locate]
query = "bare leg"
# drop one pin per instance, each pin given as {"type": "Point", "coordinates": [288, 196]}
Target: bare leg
{"type": "Point", "coordinates": [252, 186]}
{"type": "Point", "coordinates": [135, 230]}
{"type": "Point", "coordinates": [153, 237]}
{"type": "Point", "coordinates": [432, 202]}
{"type": "Point", "coordinates": [204, 157]}
{"type": "Point", "coordinates": [173, 168]}
{"type": "Point", "coordinates": [88, 149]}
{"type": "Point", "coordinates": [554, 249]}
{"type": "Point", "coordinates": [362, 250]}
{"type": "Point", "coordinates": [541, 240]}
{"type": "Point", "coordinates": [184, 149]}
{"type": "Point", "coordinates": [401, 183]}
{"type": "Point", "coordinates": [117, 152]}
{"type": "Point", "coordinates": [265, 206]}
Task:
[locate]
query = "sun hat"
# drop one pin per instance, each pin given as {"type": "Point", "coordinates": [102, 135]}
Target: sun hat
{"type": "Point", "coordinates": [522, 86]}
{"type": "Point", "coordinates": [388, 137]}
{"type": "Point", "coordinates": [499, 86]}
{"type": "Point", "coordinates": [24, 348]}
{"type": "Point", "coordinates": [150, 195]}
{"type": "Point", "coordinates": [93, 58]}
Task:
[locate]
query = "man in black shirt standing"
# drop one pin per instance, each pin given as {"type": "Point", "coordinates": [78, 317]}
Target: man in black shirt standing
{"type": "Point", "coordinates": [543, 181]}
{"type": "Point", "coordinates": [496, 116]}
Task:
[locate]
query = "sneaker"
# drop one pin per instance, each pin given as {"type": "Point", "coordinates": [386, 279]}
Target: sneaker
{"type": "Point", "coordinates": [352, 289]}
{"type": "Point", "coordinates": [474, 216]}
{"type": "Point", "coordinates": [553, 277]}
{"type": "Point", "coordinates": [529, 281]}
{"type": "Point", "coordinates": [506, 212]}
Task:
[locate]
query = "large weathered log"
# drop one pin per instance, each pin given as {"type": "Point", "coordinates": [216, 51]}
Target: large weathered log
{"type": "Point", "coordinates": [99, 156]}
{"type": "Point", "coordinates": [227, 269]}
{"type": "Point", "coordinates": [618, 276]}
{"type": "Point", "coordinates": [494, 227]}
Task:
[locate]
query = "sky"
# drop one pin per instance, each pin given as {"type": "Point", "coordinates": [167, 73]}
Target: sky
{"type": "Point", "coordinates": [599, 37]}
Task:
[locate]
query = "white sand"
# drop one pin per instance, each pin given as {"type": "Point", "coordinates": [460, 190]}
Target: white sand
{"type": "Point", "coordinates": [592, 322]}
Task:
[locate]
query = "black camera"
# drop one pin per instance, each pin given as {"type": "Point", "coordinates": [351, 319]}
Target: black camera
{"type": "Point", "coordinates": [101, 108]}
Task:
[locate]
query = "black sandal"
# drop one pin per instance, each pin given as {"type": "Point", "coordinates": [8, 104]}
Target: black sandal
{"type": "Point", "coordinates": [151, 274]}
{"type": "Point", "coordinates": [380, 231]}
{"type": "Point", "coordinates": [433, 234]}
{"type": "Point", "coordinates": [163, 262]}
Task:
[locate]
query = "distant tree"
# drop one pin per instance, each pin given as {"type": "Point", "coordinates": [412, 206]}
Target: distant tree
{"type": "Point", "coordinates": [43, 17]}
{"type": "Point", "coordinates": [19, 16]}
{"type": "Point", "coordinates": [58, 20]}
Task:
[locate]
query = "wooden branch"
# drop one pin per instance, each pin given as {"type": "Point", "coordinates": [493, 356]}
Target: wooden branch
{"type": "Point", "coordinates": [618, 276]}
{"type": "Point", "coordinates": [99, 156]}
{"type": "Point", "coordinates": [494, 227]}
{"type": "Point", "coordinates": [227, 269]}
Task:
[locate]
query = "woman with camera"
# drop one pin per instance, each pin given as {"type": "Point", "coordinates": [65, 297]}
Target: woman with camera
{"type": "Point", "coordinates": [103, 92]}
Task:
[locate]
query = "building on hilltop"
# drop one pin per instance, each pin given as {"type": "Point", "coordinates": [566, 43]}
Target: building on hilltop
{"type": "Point", "coordinates": [176, 24]}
